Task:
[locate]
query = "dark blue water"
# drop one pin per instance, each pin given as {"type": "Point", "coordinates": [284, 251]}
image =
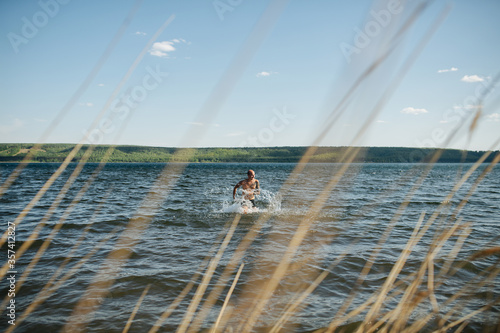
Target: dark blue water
{"type": "Point", "coordinates": [363, 208]}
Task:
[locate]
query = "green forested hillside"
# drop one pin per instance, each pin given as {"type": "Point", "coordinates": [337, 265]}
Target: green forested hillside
{"type": "Point", "coordinates": [16, 152]}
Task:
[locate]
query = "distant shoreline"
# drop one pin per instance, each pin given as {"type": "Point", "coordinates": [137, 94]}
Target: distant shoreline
{"type": "Point", "coordinates": [243, 162]}
{"type": "Point", "coordinates": [57, 153]}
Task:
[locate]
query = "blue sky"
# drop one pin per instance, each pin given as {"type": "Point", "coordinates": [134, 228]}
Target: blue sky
{"type": "Point", "coordinates": [300, 68]}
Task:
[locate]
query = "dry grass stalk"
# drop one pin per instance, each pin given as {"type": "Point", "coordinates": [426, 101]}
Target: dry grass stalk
{"type": "Point", "coordinates": [229, 269]}
{"type": "Point", "coordinates": [296, 304]}
{"type": "Point", "coordinates": [78, 146]}
{"type": "Point", "coordinates": [482, 279]}
{"type": "Point", "coordinates": [319, 204]}
{"type": "Point", "coordinates": [76, 96]}
{"type": "Point", "coordinates": [485, 253]}
{"type": "Point", "coordinates": [228, 296]}
{"type": "Point", "coordinates": [267, 287]}
{"type": "Point", "coordinates": [207, 277]}
{"type": "Point", "coordinates": [190, 285]}
{"type": "Point", "coordinates": [27, 244]}
{"type": "Point", "coordinates": [454, 190]}
{"type": "Point", "coordinates": [39, 194]}
{"type": "Point", "coordinates": [396, 269]}
{"type": "Point", "coordinates": [43, 293]}
{"type": "Point", "coordinates": [136, 308]}
{"type": "Point", "coordinates": [124, 246]}
{"type": "Point", "coordinates": [157, 325]}
{"type": "Point", "coordinates": [419, 325]}
{"type": "Point", "coordinates": [459, 242]}
{"type": "Point", "coordinates": [50, 287]}
{"type": "Point", "coordinates": [34, 235]}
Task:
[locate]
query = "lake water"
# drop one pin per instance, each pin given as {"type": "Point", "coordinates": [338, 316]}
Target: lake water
{"type": "Point", "coordinates": [197, 211]}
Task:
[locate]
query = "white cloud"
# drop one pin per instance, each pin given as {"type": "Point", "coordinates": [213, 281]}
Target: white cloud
{"type": "Point", "coordinates": [164, 46]}
{"type": "Point", "coordinates": [265, 74]}
{"type": "Point", "coordinates": [494, 117]}
{"type": "Point", "coordinates": [87, 104]}
{"type": "Point", "coordinates": [414, 111]}
{"type": "Point", "coordinates": [161, 49]}
{"type": "Point", "coordinates": [468, 107]}
{"type": "Point", "coordinates": [471, 78]}
{"type": "Point", "coordinates": [381, 121]}
{"type": "Point", "coordinates": [14, 126]}
{"type": "Point", "coordinates": [453, 69]}
{"type": "Point", "coordinates": [157, 53]}
{"type": "Point", "coordinates": [140, 33]}
{"type": "Point", "coordinates": [101, 84]}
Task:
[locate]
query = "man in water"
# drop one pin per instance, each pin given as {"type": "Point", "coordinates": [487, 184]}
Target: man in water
{"type": "Point", "coordinates": [250, 187]}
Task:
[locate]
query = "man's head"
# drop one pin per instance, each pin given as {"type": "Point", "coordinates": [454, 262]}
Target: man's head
{"type": "Point", "coordinates": [251, 174]}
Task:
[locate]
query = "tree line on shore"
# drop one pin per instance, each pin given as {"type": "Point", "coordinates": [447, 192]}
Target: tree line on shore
{"type": "Point", "coordinates": [56, 153]}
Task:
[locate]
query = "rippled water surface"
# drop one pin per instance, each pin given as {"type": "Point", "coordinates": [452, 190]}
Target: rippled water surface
{"type": "Point", "coordinates": [362, 209]}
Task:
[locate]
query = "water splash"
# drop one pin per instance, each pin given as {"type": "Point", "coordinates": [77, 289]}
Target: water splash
{"type": "Point", "coordinates": [266, 201]}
